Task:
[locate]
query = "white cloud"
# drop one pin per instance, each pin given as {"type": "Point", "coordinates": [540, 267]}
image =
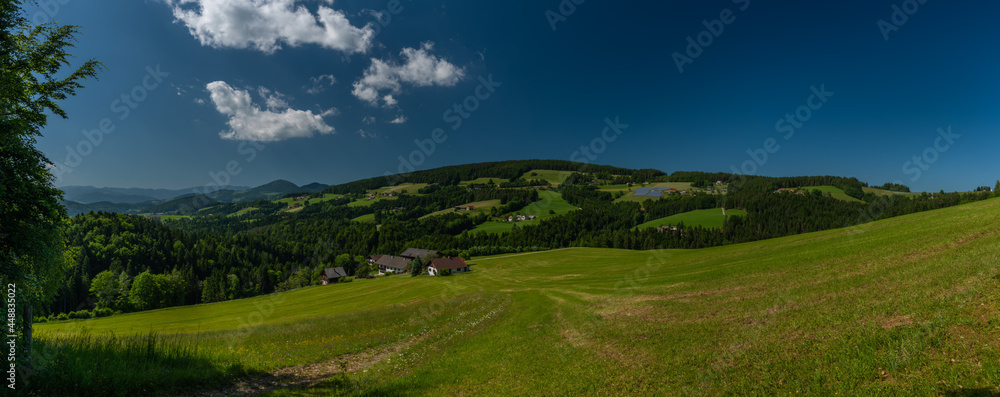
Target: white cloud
{"type": "Point", "coordinates": [389, 101]}
{"type": "Point", "coordinates": [248, 122]}
{"type": "Point", "coordinates": [367, 134]}
{"type": "Point", "coordinates": [420, 69]}
{"type": "Point", "coordinates": [266, 25]}
{"type": "Point", "coordinates": [398, 120]}
{"type": "Point", "coordinates": [368, 120]}
{"type": "Point", "coordinates": [318, 84]}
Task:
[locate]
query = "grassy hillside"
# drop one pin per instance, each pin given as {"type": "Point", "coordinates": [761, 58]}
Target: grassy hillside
{"type": "Point", "coordinates": [835, 192]}
{"type": "Point", "coordinates": [481, 207]}
{"type": "Point", "coordinates": [907, 306]}
{"type": "Point", "coordinates": [548, 200]}
{"type": "Point", "coordinates": [554, 177]}
{"type": "Point", "coordinates": [882, 192]}
{"type": "Point", "coordinates": [712, 218]}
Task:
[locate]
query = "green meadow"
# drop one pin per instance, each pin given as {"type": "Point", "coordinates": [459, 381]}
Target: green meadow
{"type": "Point", "coordinates": [548, 201]}
{"type": "Point", "coordinates": [905, 306]}
{"type": "Point", "coordinates": [481, 207]}
{"type": "Point", "coordinates": [365, 203]}
{"type": "Point", "coordinates": [834, 192]}
{"type": "Point", "coordinates": [709, 219]}
{"type": "Point", "coordinates": [554, 177]}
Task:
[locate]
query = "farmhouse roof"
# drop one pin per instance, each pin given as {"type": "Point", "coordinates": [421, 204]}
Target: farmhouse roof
{"type": "Point", "coordinates": [413, 253]}
{"type": "Point", "coordinates": [334, 273]}
{"type": "Point", "coordinates": [395, 262]}
{"type": "Point", "coordinates": [448, 263]}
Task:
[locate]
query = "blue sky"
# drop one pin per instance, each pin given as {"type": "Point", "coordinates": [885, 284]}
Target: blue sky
{"type": "Point", "coordinates": [323, 91]}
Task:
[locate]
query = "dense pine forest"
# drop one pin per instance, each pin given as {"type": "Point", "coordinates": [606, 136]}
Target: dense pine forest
{"type": "Point", "coordinates": [227, 251]}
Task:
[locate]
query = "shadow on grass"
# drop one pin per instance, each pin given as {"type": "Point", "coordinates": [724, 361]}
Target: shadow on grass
{"type": "Point", "coordinates": [88, 365]}
{"type": "Point", "coordinates": [981, 392]}
{"type": "Point", "coordinates": [346, 386]}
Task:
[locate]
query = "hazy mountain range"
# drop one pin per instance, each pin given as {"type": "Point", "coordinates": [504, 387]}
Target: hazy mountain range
{"type": "Point", "coordinates": [83, 199]}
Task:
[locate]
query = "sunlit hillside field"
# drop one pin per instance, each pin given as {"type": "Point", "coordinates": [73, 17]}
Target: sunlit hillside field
{"type": "Point", "coordinates": [906, 306]}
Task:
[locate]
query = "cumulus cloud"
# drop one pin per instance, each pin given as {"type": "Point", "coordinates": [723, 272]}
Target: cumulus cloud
{"type": "Point", "coordinates": [266, 25]}
{"type": "Point", "coordinates": [276, 122]}
{"type": "Point", "coordinates": [420, 68]}
{"type": "Point", "coordinates": [389, 101]}
{"type": "Point", "coordinates": [398, 120]}
{"type": "Point", "coordinates": [319, 83]}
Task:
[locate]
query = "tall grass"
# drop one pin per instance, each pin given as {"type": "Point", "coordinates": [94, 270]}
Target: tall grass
{"type": "Point", "coordinates": [87, 365]}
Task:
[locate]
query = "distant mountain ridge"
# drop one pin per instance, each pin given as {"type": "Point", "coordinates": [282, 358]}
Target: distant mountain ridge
{"type": "Point", "coordinates": [91, 194]}
{"type": "Point", "coordinates": [83, 199]}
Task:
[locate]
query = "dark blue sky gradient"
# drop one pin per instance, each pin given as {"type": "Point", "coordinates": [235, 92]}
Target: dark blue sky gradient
{"type": "Point", "coordinates": [606, 60]}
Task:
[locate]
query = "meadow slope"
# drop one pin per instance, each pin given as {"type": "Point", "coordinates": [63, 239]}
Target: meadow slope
{"type": "Point", "coordinates": [906, 306]}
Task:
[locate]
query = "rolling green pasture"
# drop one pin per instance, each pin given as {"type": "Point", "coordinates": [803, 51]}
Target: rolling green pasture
{"type": "Point", "coordinates": [326, 197]}
{"type": "Point", "coordinates": [548, 200]}
{"type": "Point", "coordinates": [365, 203]}
{"type": "Point", "coordinates": [482, 181]}
{"type": "Point", "coordinates": [710, 219]}
{"type": "Point", "coordinates": [905, 306]}
{"type": "Point", "coordinates": [554, 177]}
{"type": "Point", "coordinates": [614, 188]}
{"type": "Point", "coordinates": [835, 192]}
{"type": "Point", "coordinates": [365, 218]}
{"type": "Point", "coordinates": [169, 217]}
{"type": "Point", "coordinates": [882, 192]}
{"type": "Point", "coordinates": [243, 211]}
{"type": "Point", "coordinates": [482, 207]}
{"type": "Point", "coordinates": [409, 188]}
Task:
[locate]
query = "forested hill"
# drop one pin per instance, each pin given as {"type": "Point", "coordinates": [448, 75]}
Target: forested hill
{"type": "Point", "coordinates": [512, 169]}
{"type": "Point", "coordinates": [232, 250]}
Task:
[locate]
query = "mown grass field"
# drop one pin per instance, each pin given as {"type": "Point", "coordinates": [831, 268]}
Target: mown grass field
{"type": "Point", "coordinates": [835, 192]}
{"type": "Point", "coordinates": [905, 306]}
{"type": "Point", "coordinates": [548, 200]}
{"type": "Point", "coordinates": [712, 218]}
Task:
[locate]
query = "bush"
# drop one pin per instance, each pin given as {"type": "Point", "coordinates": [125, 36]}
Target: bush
{"type": "Point", "coordinates": [345, 279]}
{"type": "Point", "coordinates": [445, 272]}
{"type": "Point", "coordinates": [103, 312]}
{"type": "Point", "coordinates": [82, 314]}
{"type": "Point", "coordinates": [41, 319]}
{"type": "Point", "coordinates": [62, 317]}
